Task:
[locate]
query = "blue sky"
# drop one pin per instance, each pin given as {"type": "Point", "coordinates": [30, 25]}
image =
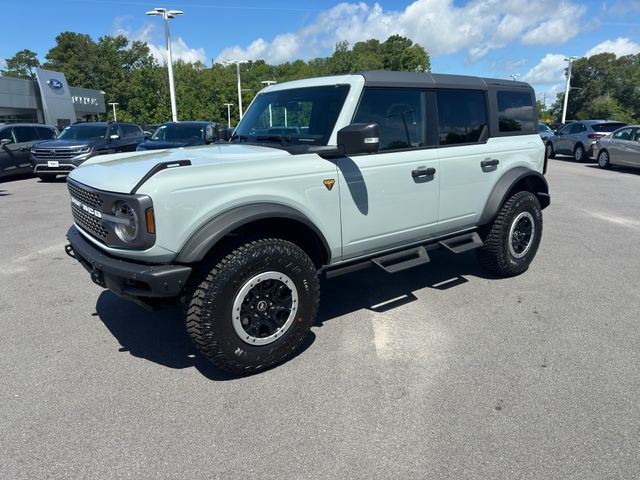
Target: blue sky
{"type": "Point", "coordinates": [494, 38]}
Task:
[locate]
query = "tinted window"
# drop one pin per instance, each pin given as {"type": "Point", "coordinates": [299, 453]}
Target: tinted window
{"type": "Point", "coordinates": [607, 127]}
{"type": "Point", "coordinates": [46, 133]}
{"type": "Point", "coordinates": [296, 115]}
{"type": "Point", "coordinates": [624, 134]}
{"type": "Point", "coordinates": [576, 128]}
{"type": "Point", "coordinates": [399, 114]}
{"type": "Point", "coordinates": [462, 115]}
{"type": "Point", "coordinates": [6, 134]}
{"type": "Point", "coordinates": [25, 134]}
{"type": "Point", "coordinates": [130, 130]}
{"type": "Point", "coordinates": [542, 128]}
{"type": "Point", "coordinates": [113, 130]}
{"type": "Point", "coordinates": [515, 112]}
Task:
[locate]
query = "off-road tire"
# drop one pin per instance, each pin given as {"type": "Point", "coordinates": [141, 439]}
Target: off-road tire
{"type": "Point", "coordinates": [604, 159]}
{"type": "Point", "coordinates": [47, 177]}
{"type": "Point", "coordinates": [551, 152]}
{"type": "Point", "coordinates": [579, 157]}
{"type": "Point", "coordinates": [495, 255]}
{"type": "Point", "coordinates": [209, 305]}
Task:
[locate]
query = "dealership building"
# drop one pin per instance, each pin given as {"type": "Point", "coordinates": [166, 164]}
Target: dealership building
{"type": "Point", "coordinates": [48, 99]}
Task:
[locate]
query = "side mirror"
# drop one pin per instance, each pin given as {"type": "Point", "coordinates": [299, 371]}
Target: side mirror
{"type": "Point", "coordinates": [222, 132]}
{"type": "Point", "coordinates": [5, 141]}
{"type": "Point", "coordinates": [147, 135]}
{"type": "Point", "coordinates": [359, 138]}
{"type": "Point", "coordinates": [114, 137]}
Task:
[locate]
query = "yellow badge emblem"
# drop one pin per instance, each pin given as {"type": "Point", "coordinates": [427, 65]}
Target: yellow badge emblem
{"type": "Point", "coordinates": [329, 183]}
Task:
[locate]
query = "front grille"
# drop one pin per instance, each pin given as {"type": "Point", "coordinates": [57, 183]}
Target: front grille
{"type": "Point", "coordinates": [55, 154]}
{"type": "Point", "coordinates": [85, 196]}
{"type": "Point", "coordinates": [86, 220]}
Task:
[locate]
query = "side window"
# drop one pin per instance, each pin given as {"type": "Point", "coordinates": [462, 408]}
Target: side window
{"type": "Point", "coordinates": [130, 130]}
{"type": "Point", "coordinates": [515, 112]}
{"type": "Point", "coordinates": [46, 133]}
{"type": "Point", "coordinates": [25, 134]}
{"type": "Point", "coordinates": [577, 128]}
{"type": "Point", "coordinates": [113, 130]}
{"type": "Point", "coordinates": [6, 134]}
{"type": "Point", "coordinates": [399, 113]}
{"type": "Point", "coordinates": [462, 116]}
{"type": "Point", "coordinates": [623, 134]}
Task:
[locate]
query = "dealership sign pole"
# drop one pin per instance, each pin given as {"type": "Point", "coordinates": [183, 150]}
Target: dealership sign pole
{"type": "Point", "coordinates": [166, 15]}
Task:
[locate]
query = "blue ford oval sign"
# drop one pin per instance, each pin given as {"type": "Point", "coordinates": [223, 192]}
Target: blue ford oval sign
{"type": "Point", "coordinates": [53, 83]}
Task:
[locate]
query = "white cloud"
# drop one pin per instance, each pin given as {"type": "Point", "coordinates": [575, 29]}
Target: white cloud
{"type": "Point", "coordinates": [440, 26]}
{"type": "Point", "coordinates": [621, 46]}
{"type": "Point", "coordinates": [157, 45]}
{"type": "Point", "coordinates": [549, 70]}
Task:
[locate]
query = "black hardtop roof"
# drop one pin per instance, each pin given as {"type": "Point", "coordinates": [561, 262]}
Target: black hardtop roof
{"type": "Point", "coordinates": [384, 78]}
{"type": "Point", "coordinates": [101, 124]}
{"type": "Point", "coordinates": [189, 122]}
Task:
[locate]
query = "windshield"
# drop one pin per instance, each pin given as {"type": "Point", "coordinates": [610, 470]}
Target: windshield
{"type": "Point", "coordinates": [179, 133]}
{"type": "Point", "coordinates": [607, 127]}
{"type": "Point", "coordinates": [294, 116]}
{"type": "Point", "coordinates": [543, 128]}
{"type": "Point", "coordinates": [83, 132]}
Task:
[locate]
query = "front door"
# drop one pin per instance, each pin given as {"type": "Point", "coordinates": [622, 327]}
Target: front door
{"type": "Point", "coordinates": [390, 198]}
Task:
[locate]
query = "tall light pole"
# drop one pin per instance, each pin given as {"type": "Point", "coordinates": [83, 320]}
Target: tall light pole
{"type": "Point", "coordinates": [237, 63]}
{"type": "Point", "coordinates": [229, 105]}
{"type": "Point", "coordinates": [166, 15]}
{"type": "Point", "coordinates": [114, 105]}
{"type": "Point", "coordinates": [268, 83]}
{"type": "Point", "coordinates": [567, 88]}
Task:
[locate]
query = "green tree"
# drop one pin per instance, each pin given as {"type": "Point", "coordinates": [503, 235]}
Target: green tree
{"type": "Point", "coordinates": [22, 64]}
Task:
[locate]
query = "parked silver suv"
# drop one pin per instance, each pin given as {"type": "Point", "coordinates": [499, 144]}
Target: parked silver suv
{"type": "Point", "coordinates": [578, 138]}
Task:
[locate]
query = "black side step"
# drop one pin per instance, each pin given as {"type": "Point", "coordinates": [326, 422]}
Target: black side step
{"type": "Point", "coordinates": [462, 243]}
{"type": "Point", "coordinates": [398, 261]}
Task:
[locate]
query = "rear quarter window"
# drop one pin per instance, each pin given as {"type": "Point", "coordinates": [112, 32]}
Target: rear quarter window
{"type": "Point", "coordinates": [516, 112]}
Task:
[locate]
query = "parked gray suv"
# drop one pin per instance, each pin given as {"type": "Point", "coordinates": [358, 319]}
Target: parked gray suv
{"type": "Point", "coordinates": [579, 138]}
{"type": "Point", "coordinates": [16, 141]}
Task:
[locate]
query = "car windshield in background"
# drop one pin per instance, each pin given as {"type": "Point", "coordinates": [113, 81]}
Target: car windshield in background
{"type": "Point", "coordinates": [607, 127]}
{"type": "Point", "coordinates": [177, 133]}
{"type": "Point", "coordinates": [294, 116]}
{"type": "Point", "coordinates": [86, 132]}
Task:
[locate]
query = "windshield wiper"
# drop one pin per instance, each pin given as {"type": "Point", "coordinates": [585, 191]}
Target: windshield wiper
{"type": "Point", "coordinates": [274, 138]}
{"type": "Point", "coordinates": [241, 138]}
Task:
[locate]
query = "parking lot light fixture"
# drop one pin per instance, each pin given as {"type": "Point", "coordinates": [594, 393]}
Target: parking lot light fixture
{"type": "Point", "coordinates": [114, 105]}
{"type": "Point", "coordinates": [567, 88]}
{"type": "Point", "coordinates": [237, 63]}
{"type": "Point", "coordinates": [229, 105]}
{"type": "Point", "coordinates": [514, 76]}
{"type": "Point", "coordinates": [166, 15]}
{"type": "Point", "coordinates": [268, 83]}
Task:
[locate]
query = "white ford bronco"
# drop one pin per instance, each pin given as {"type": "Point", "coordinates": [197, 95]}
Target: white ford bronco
{"type": "Point", "coordinates": [321, 177]}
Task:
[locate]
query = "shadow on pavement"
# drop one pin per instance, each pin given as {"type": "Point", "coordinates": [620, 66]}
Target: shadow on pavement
{"type": "Point", "coordinates": [160, 337]}
{"type": "Point", "coordinates": [621, 169]}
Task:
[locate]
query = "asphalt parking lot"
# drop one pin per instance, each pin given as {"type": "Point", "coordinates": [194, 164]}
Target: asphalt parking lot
{"type": "Point", "coordinates": [439, 372]}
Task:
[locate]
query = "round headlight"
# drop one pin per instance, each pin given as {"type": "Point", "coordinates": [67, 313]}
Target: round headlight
{"type": "Point", "coordinates": [128, 230]}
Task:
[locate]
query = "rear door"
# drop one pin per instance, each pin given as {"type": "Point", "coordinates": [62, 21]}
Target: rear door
{"type": "Point", "coordinates": [390, 198]}
{"type": "Point", "coordinates": [634, 149]}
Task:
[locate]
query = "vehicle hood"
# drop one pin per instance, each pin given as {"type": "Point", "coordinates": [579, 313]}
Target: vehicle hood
{"type": "Point", "coordinates": [121, 172]}
{"type": "Point", "coordinates": [65, 143]}
{"type": "Point", "coordinates": [160, 144]}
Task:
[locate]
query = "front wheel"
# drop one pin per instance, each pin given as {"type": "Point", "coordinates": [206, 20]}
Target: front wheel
{"type": "Point", "coordinates": [255, 307]}
{"type": "Point", "coordinates": [512, 240]}
{"type": "Point", "coordinates": [603, 159]}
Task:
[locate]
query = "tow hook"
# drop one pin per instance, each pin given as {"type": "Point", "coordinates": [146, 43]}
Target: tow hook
{"type": "Point", "coordinates": [68, 249]}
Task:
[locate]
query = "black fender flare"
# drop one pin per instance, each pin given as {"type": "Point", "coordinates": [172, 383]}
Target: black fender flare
{"type": "Point", "coordinates": [206, 237]}
{"type": "Point", "coordinates": [536, 182]}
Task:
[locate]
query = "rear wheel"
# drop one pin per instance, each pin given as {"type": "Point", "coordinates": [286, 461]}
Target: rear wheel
{"type": "Point", "coordinates": [254, 308]}
{"type": "Point", "coordinates": [579, 153]}
{"type": "Point", "coordinates": [512, 240]}
{"type": "Point", "coordinates": [603, 159]}
{"type": "Point", "coordinates": [47, 177]}
{"type": "Point", "coordinates": [550, 152]}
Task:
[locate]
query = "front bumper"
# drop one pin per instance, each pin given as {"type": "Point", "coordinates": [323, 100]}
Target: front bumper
{"type": "Point", "coordinates": [58, 165]}
{"type": "Point", "coordinates": [125, 278]}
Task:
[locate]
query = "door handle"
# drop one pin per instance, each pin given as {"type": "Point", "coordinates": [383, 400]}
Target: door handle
{"type": "Point", "coordinates": [423, 172]}
{"type": "Point", "coordinates": [489, 163]}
